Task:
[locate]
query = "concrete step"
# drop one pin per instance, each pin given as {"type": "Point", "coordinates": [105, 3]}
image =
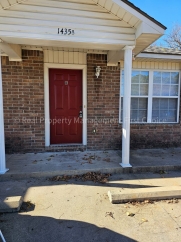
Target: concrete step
{"type": "Point", "coordinates": [60, 171]}
{"type": "Point", "coordinates": [65, 148]}
{"type": "Point", "coordinates": [10, 204]}
{"type": "Point", "coordinates": [142, 194]}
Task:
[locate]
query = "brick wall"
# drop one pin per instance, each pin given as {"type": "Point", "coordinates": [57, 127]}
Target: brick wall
{"type": "Point", "coordinates": [103, 103]}
{"type": "Point", "coordinates": [155, 136]}
{"type": "Point", "coordinates": [23, 92]}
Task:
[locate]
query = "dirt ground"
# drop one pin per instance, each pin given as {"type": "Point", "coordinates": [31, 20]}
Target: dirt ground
{"type": "Point", "coordinates": [72, 210]}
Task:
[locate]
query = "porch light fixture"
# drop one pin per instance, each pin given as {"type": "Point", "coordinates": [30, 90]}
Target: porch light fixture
{"type": "Point", "coordinates": [98, 70]}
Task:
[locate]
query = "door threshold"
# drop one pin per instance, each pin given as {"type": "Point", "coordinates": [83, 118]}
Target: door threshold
{"type": "Point", "coordinates": [67, 145]}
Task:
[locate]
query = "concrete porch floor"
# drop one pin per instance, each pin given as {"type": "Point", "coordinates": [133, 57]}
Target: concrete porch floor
{"type": "Point", "coordinates": [73, 163]}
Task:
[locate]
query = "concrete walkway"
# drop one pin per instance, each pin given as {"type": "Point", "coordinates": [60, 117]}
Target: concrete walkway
{"type": "Point", "coordinates": [77, 211]}
{"type": "Point", "coordinates": [72, 163]}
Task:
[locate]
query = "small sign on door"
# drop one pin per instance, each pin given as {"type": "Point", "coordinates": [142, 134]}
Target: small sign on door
{"type": "Point", "coordinates": [66, 83]}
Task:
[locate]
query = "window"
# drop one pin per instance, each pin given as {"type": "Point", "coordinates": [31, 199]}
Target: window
{"type": "Point", "coordinates": [154, 96]}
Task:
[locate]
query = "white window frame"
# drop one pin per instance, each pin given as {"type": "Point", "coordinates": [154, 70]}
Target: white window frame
{"type": "Point", "coordinates": [150, 96]}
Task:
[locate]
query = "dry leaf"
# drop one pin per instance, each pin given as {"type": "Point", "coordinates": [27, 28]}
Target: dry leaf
{"type": "Point", "coordinates": [109, 214]}
{"type": "Point", "coordinates": [130, 214]}
{"type": "Point", "coordinates": [107, 159]}
{"type": "Point", "coordinates": [175, 200]}
{"type": "Point", "coordinates": [92, 157]}
{"type": "Point", "coordinates": [144, 220]}
{"type": "Point", "coordinates": [147, 201]}
{"type": "Point", "coordinates": [90, 176]}
{"type": "Point", "coordinates": [126, 206]}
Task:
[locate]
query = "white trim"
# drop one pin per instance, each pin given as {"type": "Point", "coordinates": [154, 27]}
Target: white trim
{"type": "Point", "coordinates": [178, 104]}
{"type": "Point", "coordinates": [128, 9]}
{"type": "Point", "coordinates": [159, 56]}
{"type": "Point", "coordinates": [13, 51]}
{"type": "Point", "coordinates": [126, 107]}
{"type": "Point", "coordinates": [150, 92]}
{"type": "Point", "coordinates": [120, 94]}
{"type": "Point", "coordinates": [47, 66]}
{"type": "Point", "coordinates": [150, 96]}
{"type": "Point", "coordinates": [2, 139]}
{"type": "Point", "coordinates": [33, 47]}
{"type": "Point", "coordinates": [138, 15]}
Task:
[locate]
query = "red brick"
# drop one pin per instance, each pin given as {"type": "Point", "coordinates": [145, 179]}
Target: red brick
{"type": "Point", "coordinates": [20, 82]}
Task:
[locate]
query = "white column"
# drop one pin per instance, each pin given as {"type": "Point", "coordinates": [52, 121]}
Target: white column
{"type": "Point", "coordinates": [126, 106]}
{"type": "Point", "coordinates": [2, 143]}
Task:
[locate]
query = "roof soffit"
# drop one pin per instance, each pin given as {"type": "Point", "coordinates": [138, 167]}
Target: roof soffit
{"type": "Point", "coordinates": [110, 23]}
{"type": "Point", "coordinates": [114, 7]}
{"type": "Point", "coordinates": [41, 19]}
{"type": "Point", "coordinates": [7, 4]}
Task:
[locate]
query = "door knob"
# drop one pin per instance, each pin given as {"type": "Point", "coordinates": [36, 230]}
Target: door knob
{"type": "Point", "coordinates": [80, 114]}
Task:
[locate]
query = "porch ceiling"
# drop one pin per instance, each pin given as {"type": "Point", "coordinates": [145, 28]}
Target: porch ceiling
{"type": "Point", "coordinates": [95, 24]}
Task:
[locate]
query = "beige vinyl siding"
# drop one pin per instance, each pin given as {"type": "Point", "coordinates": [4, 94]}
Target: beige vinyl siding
{"type": "Point", "coordinates": [154, 65]}
{"type": "Point", "coordinates": [65, 57]}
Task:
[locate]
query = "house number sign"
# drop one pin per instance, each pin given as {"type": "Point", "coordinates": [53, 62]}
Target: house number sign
{"type": "Point", "coordinates": [65, 31]}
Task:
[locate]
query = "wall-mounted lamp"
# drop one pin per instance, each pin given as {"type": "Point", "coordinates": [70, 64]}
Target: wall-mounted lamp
{"type": "Point", "coordinates": [133, 57]}
{"type": "Point", "coordinates": [98, 70]}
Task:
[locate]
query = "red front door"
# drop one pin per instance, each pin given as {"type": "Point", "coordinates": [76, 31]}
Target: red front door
{"type": "Point", "coordinates": [65, 87]}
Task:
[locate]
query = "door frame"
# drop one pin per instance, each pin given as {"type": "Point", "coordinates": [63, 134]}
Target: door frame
{"type": "Point", "coordinates": [48, 66]}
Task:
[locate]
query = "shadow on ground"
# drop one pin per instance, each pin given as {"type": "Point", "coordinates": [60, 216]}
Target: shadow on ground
{"type": "Point", "coordinates": [42, 194]}
{"type": "Point", "coordinates": [25, 228]}
{"type": "Point", "coordinates": [139, 180]}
